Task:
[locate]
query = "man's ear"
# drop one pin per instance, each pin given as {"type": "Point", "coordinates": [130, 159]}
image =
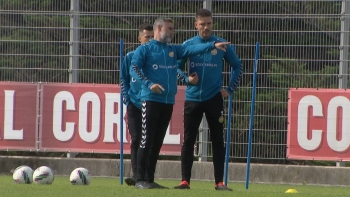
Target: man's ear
{"type": "Point", "coordinates": [139, 37]}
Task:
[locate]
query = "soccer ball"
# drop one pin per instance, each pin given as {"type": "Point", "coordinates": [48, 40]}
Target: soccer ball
{"type": "Point", "coordinates": [43, 175]}
{"type": "Point", "coordinates": [23, 174]}
{"type": "Point", "coordinates": [80, 176]}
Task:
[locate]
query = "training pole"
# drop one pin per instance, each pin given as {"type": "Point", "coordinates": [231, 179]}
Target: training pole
{"type": "Point", "coordinates": [251, 121]}
{"type": "Point", "coordinates": [121, 167]}
{"type": "Point", "coordinates": [228, 134]}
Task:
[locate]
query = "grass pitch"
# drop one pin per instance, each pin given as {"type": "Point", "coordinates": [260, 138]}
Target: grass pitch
{"type": "Point", "coordinates": [105, 187]}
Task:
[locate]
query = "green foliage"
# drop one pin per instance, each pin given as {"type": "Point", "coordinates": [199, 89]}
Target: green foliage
{"type": "Point", "coordinates": [293, 74]}
{"type": "Point", "coordinates": [271, 105]}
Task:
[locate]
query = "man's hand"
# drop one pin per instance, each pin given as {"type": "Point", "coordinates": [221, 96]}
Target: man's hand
{"type": "Point", "coordinates": [193, 78]}
{"type": "Point", "coordinates": [221, 45]}
{"type": "Point", "coordinates": [224, 93]}
{"type": "Point", "coordinates": [157, 88]}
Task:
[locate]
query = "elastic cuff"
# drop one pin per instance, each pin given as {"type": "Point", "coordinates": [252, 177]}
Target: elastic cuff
{"type": "Point", "coordinates": [149, 84]}
{"type": "Point", "coordinates": [186, 80]}
{"type": "Point", "coordinates": [229, 90]}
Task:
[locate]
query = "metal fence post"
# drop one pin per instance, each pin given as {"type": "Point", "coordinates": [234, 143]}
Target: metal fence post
{"type": "Point", "coordinates": [207, 4]}
{"type": "Point", "coordinates": [74, 48]}
{"type": "Point", "coordinates": [74, 42]}
{"type": "Point", "coordinates": [344, 51]}
{"type": "Point", "coordinates": [203, 140]}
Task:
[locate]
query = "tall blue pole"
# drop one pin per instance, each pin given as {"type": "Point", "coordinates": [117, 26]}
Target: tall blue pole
{"type": "Point", "coordinates": [121, 168]}
{"type": "Point", "coordinates": [251, 121]}
{"type": "Point", "coordinates": [228, 134]}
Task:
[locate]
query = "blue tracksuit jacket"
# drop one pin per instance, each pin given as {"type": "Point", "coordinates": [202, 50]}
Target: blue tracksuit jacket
{"type": "Point", "coordinates": [156, 63]}
{"type": "Point", "coordinates": [209, 67]}
{"type": "Point", "coordinates": [130, 86]}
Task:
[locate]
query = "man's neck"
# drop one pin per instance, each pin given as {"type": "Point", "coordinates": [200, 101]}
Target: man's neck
{"type": "Point", "coordinates": [158, 39]}
{"type": "Point", "coordinates": [203, 37]}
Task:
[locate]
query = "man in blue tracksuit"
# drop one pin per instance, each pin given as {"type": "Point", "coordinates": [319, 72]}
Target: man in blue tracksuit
{"type": "Point", "coordinates": [155, 63]}
{"type": "Point", "coordinates": [131, 89]}
{"type": "Point", "coordinates": [205, 95]}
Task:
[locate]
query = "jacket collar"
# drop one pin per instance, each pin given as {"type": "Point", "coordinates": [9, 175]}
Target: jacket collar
{"type": "Point", "coordinates": [157, 42]}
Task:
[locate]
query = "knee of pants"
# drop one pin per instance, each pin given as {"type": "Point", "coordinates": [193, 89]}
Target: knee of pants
{"type": "Point", "coordinates": [135, 143]}
{"type": "Point", "coordinates": [189, 144]}
{"type": "Point", "coordinates": [190, 139]}
{"type": "Point", "coordinates": [218, 145]}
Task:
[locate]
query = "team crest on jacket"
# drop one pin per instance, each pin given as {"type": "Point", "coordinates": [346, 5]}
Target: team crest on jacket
{"type": "Point", "coordinates": [171, 54]}
{"type": "Point", "coordinates": [214, 52]}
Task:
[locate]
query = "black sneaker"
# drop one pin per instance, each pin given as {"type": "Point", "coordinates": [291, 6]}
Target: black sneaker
{"type": "Point", "coordinates": [221, 186]}
{"type": "Point", "coordinates": [183, 185]}
{"type": "Point", "coordinates": [157, 186]}
{"type": "Point", "coordinates": [143, 185]}
{"type": "Point", "coordinates": [130, 181]}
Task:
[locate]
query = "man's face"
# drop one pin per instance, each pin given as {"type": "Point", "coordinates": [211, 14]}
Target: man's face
{"type": "Point", "coordinates": [167, 32]}
{"type": "Point", "coordinates": [145, 36]}
{"type": "Point", "coordinates": [204, 25]}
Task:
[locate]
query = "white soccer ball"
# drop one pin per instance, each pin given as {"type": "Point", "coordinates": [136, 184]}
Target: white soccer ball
{"type": "Point", "coordinates": [43, 175]}
{"type": "Point", "coordinates": [23, 175]}
{"type": "Point", "coordinates": [80, 176]}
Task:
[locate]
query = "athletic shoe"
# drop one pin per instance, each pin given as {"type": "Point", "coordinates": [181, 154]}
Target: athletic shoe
{"type": "Point", "coordinates": [183, 185]}
{"type": "Point", "coordinates": [157, 186]}
{"type": "Point", "coordinates": [143, 185]}
{"type": "Point", "coordinates": [221, 186]}
{"type": "Point", "coordinates": [130, 181]}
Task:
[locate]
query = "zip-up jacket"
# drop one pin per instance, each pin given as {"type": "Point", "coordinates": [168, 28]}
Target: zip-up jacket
{"type": "Point", "coordinates": [156, 63]}
{"type": "Point", "coordinates": [209, 67]}
{"type": "Point", "coordinates": [130, 86]}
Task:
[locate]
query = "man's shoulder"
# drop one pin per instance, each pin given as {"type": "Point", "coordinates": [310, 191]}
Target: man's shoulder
{"type": "Point", "coordinates": [143, 46]}
{"type": "Point", "coordinates": [191, 40]}
{"type": "Point", "coordinates": [130, 53]}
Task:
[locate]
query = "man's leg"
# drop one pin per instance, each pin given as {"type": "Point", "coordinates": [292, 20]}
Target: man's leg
{"type": "Point", "coordinates": [164, 119]}
{"type": "Point", "coordinates": [150, 117]}
{"type": "Point", "coordinates": [135, 127]}
{"type": "Point", "coordinates": [193, 114]}
{"type": "Point", "coordinates": [214, 112]}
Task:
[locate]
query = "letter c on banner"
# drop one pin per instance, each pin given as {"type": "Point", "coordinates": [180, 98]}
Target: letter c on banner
{"type": "Point", "coordinates": [95, 118]}
{"type": "Point", "coordinates": [59, 98]}
{"type": "Point", "coordinates": [303, 109]}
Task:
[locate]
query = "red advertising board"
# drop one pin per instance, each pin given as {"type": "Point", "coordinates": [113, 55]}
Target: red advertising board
{"type": "Point", "coordinates": [86, 118]}
{"type": "Point", "coordinates": [319, 124]}
{"type": "Point", "coordinates": [18, 116]}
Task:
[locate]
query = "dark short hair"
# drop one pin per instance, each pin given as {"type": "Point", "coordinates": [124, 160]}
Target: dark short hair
{"type": "Point", "coordinates": [145, 26]}
{"type": "Point", "coordinates": [203, 13]}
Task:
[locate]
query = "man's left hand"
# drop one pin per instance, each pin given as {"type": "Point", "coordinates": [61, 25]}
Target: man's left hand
{"type": "Point", "coordinates": [224, 93]}
{"type": "Point", "coordinates": [193, 78]}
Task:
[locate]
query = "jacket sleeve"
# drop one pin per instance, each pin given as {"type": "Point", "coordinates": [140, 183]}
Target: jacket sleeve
{"type": "Point", "coordinates": [186, 51]}
{"type": "Point", "coordinates": [180, 75]}
{"type": "Point", "coordinates": [125, 79]}
{"type": "Point", "coordinates": [236, 65]}
{"type": "Point", "coordinates": [137, 64]}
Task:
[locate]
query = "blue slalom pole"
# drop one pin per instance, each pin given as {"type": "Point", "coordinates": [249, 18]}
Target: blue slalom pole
{"type": "Point", "coordinates": [228, 134]}
{"type": "Point", "coordinates": [251, 121]}
{"type": "Point", "coordinates": [121, 168]}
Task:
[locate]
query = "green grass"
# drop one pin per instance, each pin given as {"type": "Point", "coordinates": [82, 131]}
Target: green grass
{"type": "Point", "coordinates": [105, 187]}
